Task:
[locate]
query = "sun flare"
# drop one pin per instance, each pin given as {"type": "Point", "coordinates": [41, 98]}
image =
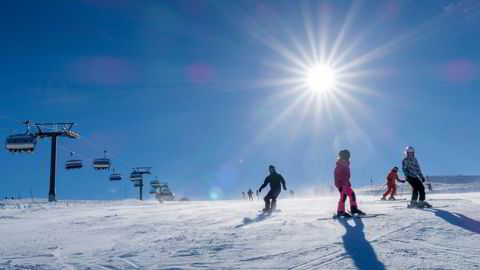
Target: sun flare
{"type": "Point", "coordinates": [321, 78]}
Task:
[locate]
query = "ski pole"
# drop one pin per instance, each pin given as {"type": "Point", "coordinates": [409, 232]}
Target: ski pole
{"type": "Point", "coordinates": [381, 189]}
{"type": "Point", "coordinates": [429, 186]}
{"type": "Point", "coordinates": [401, 191]}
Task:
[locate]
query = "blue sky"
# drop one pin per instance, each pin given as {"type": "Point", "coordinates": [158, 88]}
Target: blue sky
{"type": "Point", "coordinates": [207, 92]}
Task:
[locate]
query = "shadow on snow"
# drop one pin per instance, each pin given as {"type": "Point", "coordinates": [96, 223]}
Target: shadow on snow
{"type": "Point", "coordinates": [357, 247]}
{"type": "Point", "coordinates": [458, 219]}
{"type": "Point", "coordinates": [260, 217]}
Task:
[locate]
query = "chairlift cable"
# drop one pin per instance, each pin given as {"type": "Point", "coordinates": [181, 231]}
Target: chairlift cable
{"type": "Point", "coordinates": [76, 153]}
{"type": "Point", "coordinates": [11, 119]}
{"type": "Point", "coordinates": [109, 153]}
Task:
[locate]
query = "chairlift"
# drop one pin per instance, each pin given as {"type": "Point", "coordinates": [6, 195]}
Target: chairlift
{"type": "Point", "coordinates": [153, 190]}
{"type": "Point", "coordinates": [73, 163]}
{"type": "Point", "coordinates": [138, 184]}
{"type": "Point", "coordinates": [102, 163]}
{"type": "Point", "coordinates": [115, 176]}
{"type": "Point", "coordinates": [21, 143]}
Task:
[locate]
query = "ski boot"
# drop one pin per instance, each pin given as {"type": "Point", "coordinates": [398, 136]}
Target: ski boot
{"type": "Point", "coordinates": [355, 211]}
{"type": "Point", "coordinates": [343, 215]}
{"type": "Point", "coordinates": [266, 210]}
{"type": "Point", "coordinates": [413, 204]}
{"type": "Point", "coordinates": [424, 204]}
{"type": "Point", "coordinates": [383, 198]}
{"type": "Point", "coordinates": [391, 198]}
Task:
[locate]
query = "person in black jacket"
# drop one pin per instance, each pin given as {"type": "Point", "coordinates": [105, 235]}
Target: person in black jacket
{"type": "Point", "coordinates": [276, 181]}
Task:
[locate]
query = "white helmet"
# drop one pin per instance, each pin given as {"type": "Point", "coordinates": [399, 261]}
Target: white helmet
{"type": "Point", "coordinates": [409, 149]}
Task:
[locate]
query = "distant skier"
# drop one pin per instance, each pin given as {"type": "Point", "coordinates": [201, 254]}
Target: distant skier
{"type": "Point", "coordinates": [342, 183]}
{"type": "Point", "coordinates": [391, 184]}
{"type": "Point", "coordinates": [292, 194]}
{"type": "Point", "coordinates": [414, 177]}
{"type": "Point", "coordinates": [250, 195]}
{"type": "Point", "coordinates": [276, 181]}
{"type": "Point", "coordinates": [243, 195]}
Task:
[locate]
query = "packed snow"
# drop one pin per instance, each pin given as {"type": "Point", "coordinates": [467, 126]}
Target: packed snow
{"type": "Point", "coordinates": [130, 234]}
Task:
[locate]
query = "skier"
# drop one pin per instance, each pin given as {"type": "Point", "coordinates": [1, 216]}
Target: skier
{"type": "Point", "coordinates": [342, 183]}
{"type": "Point", "coordinates": [250, 195]}
{"type": "Point", "coordinates": [275, 180]}
{"type": "Point", "coordinates": [413, 175]}
{"type": "Point", "coordinates": [391, 184]}
{"type": "Point", "coordinates": [292, 194]}
{"type": "Point", "coordinates": [243, 195]}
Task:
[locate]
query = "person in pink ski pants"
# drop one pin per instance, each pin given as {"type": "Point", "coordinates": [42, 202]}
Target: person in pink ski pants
{"type": "Point", "coordinates": [342, 183]}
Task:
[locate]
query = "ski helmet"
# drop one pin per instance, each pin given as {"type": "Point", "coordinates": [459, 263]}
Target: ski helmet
{"type": "Point", "coordinates": [344, 154]}
{"type": "Point", "coordinates": [409, 149]}
{"type": "Point", "coordinates": [395, 168]}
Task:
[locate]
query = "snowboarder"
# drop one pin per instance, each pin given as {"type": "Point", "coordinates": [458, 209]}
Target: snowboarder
{"type": "Point", "coordinates": [342, 183]}
{"type": "Point", "coordinates": [391, 184]}
{"type": "Point", "coordinates": [250, 195]}
{"type": "Point", "coordinates": [276, 181]}
{"type": "Point", "coordinates": [414, 177]}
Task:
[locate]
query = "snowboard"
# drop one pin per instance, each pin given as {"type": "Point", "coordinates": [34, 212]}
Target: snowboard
{"type": "Point", "coordinates": [433, 207]}
{"type": "Point", "coordinates": [334, 217]}
{"type": "Point", "coordinates": [274, 211]}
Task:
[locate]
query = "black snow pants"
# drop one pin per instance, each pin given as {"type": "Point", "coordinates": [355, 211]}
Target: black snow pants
{"type": "Point", "coordinates": [417, 187]}
{"type": "Point", "coordinates": [272, 195]}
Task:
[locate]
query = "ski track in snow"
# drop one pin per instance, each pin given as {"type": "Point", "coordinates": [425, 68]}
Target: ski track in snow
{"type": "Point", "coordinates": [130, 234]}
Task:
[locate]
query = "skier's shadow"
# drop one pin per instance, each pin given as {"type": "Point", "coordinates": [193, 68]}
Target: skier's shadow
{"type": "Point", "coordinates": [359, 249]}
{"type": "Point", "coordinates": [260, 217]}
{"type": "Point", "coordinates": [458, 219]}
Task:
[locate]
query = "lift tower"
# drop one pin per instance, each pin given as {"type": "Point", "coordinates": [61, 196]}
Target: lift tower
{"type": "Point", "coordinates": [137, 178]}
{"type": "Point", "coordinates": [54, 130]}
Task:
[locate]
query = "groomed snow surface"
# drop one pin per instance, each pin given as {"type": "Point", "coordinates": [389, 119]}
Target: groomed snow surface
{"type": "Point", "coordinates": [130, 234]}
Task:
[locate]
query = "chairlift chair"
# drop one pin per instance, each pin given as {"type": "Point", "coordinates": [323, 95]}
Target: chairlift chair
{"type": "Point", "coordinates": [115, 176]}
{"type": "Point", "coordinates": [21, 143]}
{"type": "Point", "coordinates": [102, 163]}
{"type": "Point", "coordinates": [73, 163]}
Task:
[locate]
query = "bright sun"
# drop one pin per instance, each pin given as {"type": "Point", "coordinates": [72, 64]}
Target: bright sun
{"type": "Point", "coordinates": [321, 78]}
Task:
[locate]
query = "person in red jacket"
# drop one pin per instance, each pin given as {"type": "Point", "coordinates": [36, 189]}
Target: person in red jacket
{"type": "Point", "coordinates": [342, 183]}
{"type": "Point", "coordinates": [392, 184]}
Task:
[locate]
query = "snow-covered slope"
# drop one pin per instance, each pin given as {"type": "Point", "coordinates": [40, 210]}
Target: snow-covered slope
{"type": "Point", "coordinates": [218, 235]}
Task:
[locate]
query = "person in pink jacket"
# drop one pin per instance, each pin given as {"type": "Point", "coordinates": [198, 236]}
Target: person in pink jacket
{"type": "Point", "coordinates": [342, 183]}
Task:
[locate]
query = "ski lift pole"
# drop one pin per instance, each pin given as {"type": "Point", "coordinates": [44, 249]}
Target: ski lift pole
{"type": "Point", "coordinates": [371, 186]}
{"type": "Point", "coordinates": [53, 163]}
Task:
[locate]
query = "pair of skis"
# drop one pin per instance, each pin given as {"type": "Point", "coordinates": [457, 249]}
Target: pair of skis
{"type": "Point", "coordinates": [335, 216]}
